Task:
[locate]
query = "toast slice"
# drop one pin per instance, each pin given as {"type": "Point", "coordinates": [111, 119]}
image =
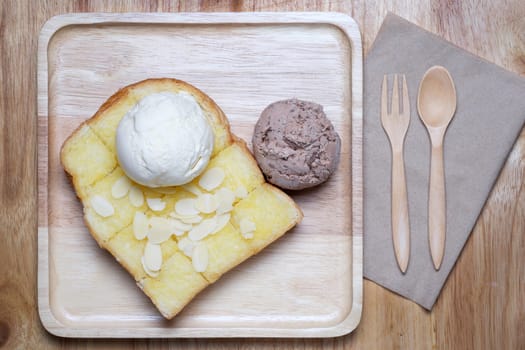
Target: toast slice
{"type": "Point", "coordinates": [198, 232]}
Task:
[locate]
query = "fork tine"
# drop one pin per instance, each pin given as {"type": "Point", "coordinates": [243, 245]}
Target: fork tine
{"type": "Point", "coordinates": [384, 97]}
{"type": "Point", "coordinates": [395, 98]}
{"type": "Point", "coordinates": [406, 103]}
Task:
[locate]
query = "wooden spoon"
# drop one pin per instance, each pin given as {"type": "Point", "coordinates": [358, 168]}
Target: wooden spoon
{"type": "Point", "coordinates": [436, 104]}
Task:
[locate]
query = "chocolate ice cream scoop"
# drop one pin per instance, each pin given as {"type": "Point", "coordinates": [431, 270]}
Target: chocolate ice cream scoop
{"type": "Point", "coordinates": [295, 144]}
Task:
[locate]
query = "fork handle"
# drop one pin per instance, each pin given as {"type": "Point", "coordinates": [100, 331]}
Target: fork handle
{"type": "Point", "coordinates": [400, 224]}
{"type": "Point", "coordinates": [436, 207]}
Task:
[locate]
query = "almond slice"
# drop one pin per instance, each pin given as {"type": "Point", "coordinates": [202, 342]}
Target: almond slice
{"type": "Point", "coordinates": [222, 220]}
{"type": "Point", "coordinates": [176, 215]}
{"type": "Point", "coordinates": [200, 257]}
{"type": "Point", "coordinates": [136, 197]}
{"type": "Point", "coordinates": [178, 225]}
{"type": "Point", "coordinates": [246, 225]}
{"type": "Point", "coordinates": [121, 187]}
{"type": "Point", "coordinates": [153, 256]}
{"type": "Point", "coordinates": [192, 188]}
{"type": "Point", "coordinates": [186, 245]}
{"type": "Point", "coordinates": [191, 219]}
{"type": "Point", "coordinates": [200, 231]}
{"type": "Point", "coordinates": [186, 207]}
{"type": "Point", "coordinates": [240, 192]}
{"type": "Point", "coordinates": [102, 206]}
{"type": "Point", "coordinates": [225, 198]}
{"type": "Point", "coordinates": [178, 233]}
{"type": "Point", "coordinates": [247, 235]}
{"type": "Point", "coordinates": [140, 225]}
{"type": "Point", "coordinates": [206, 203]}
{"type": "Point", "coordinates": [148, 271]}
{"type": "Point", "coordinates": [156, 204]}
{"type": "Point", "coordinates": [211, 179]}
{"type": "Point", "coordinates": [225, 194]}
{"type": "Point", "coordinates": [160, 231]}
{"type": "Point", "coordinates": [224, 208]}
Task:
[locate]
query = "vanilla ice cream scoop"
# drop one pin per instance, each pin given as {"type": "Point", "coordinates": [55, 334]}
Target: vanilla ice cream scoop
{"type": "Point", "coordinates": [164, 140]}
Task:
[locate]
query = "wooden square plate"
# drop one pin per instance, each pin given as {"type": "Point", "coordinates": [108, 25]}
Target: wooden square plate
{"type": "Point", "coordinates": [307, 284]}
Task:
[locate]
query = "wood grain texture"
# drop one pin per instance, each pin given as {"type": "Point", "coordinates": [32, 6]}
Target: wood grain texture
{"type": "Point", "coordinates": [481, 305]}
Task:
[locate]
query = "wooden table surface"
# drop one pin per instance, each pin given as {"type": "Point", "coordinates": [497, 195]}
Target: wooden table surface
{"type": "Point", "coordinates": [482, 304]}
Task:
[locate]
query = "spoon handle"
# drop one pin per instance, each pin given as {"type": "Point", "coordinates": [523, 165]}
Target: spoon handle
{"type": "Point", "coordinates": [436, 207]}
{"type": "Point", "coordinates": [400, 223]}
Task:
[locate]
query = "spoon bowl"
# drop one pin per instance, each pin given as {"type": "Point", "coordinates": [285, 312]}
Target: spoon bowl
{"type": "Point", "coordinates": [436, 100]}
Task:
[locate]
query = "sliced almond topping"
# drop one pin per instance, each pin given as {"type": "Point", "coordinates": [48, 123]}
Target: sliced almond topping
{"type": "Point", "coordinates": [223, 209]}
{"type": "Point", "coordinates": [175, 215]}
{"type": "Point", "coordinates": [192, 188]}
{"type": "Point", "coordinates": [240, 192]}
{"type": "Point", "coordinates": [121, 187]}
{"type": "Point", "coordinates": [186, 245]}
{"type": "Point", "coordinates": [191, 219]}
{"type": "Point", "coordinates": [222, 220]}
{"type": "Point", "coordinates": [140, 225]}
{"type": "Point", "coordinates": [248, 235]}
{"type": "Point", "coordinates": [200, 231]}
{"type": "Point", "coordinates": [200, 258]}
{"type": "Point", "coordinates": [102, 206]}
{"type": "Point", "coordinates": [161, 230]}
{"type": "Point", "coordinates": [156, 204]}
{"type": "Point", "coordinates": [246, 225]}
{"type": "Point", "coordinates": [178, 232]}
{"type": "Point", "coordinates": [225, 198]}
{"type": "Point", "coordinates": [136, 197]}
{"type": "Point", "coordinates": [225, 194]}
{"type": "Point", "coordinates": [148, 271]}
{"type": "Point", "coordinates": [180, 226]}
{"type": "Point", "coordinates": [186, 207]}
{"type": "Point", "coordinates": [211, 179]}
{"type": "Point", "coordinates": [206, 203]}
{"type": "Point", "coordinates": [153, 256]}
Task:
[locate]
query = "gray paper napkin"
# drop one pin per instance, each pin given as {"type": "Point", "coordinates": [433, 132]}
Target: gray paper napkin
{"type": "Point", "coordinates": [490, 114]}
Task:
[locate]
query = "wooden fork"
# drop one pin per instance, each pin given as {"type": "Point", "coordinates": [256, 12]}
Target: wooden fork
{"type": "Point", "coordinates": [395, 124]}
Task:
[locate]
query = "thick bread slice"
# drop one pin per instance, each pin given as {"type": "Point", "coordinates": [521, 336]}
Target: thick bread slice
{"type": "Point", "coordinates": [89, 157]}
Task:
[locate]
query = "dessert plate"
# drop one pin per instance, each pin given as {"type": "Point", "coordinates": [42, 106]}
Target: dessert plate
{"type": "Point", "coordinates": [308, 283]}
